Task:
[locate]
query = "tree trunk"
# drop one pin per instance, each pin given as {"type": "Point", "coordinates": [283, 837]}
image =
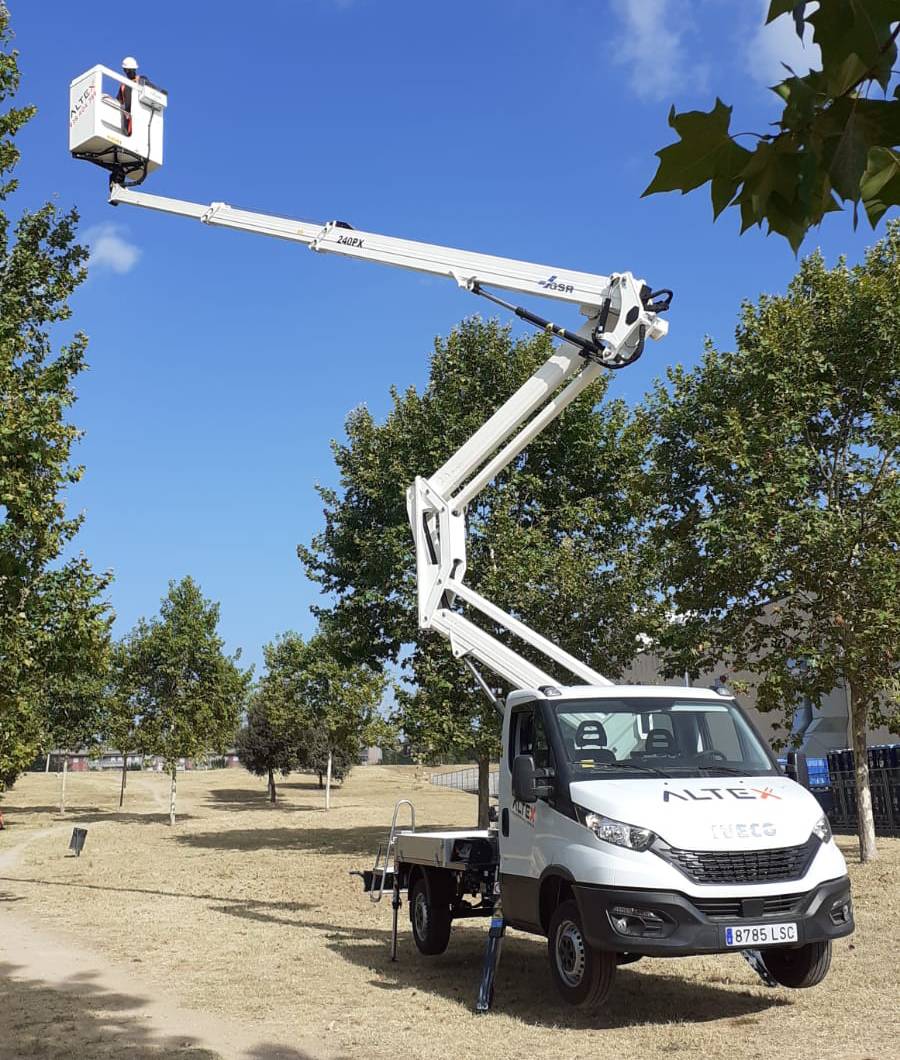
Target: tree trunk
{"type": "Point", "coordinates": [328, 783]}
{"type": "Point", "coordinates": [321, 782]}
{"type": "Point", "coordinates": [484, 790]}
{"type": "Point", "coordinates": [271, 786]}
{"type": "Point", "coordinates": [62, 789]}
{"type": "Point", "coordinates": [172, 796]}
{"type": "Point", "coordinates": [124, 776]}
{"type": "Point", "coordinates": [868, 851]}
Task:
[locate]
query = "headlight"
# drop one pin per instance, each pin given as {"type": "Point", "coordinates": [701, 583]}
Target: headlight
{"type": "Point", "coordinates": [616, 832]}
{"type": "Point", "coordinates": [822, 829]}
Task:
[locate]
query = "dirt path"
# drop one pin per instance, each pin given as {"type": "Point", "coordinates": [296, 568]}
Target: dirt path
{"type": "Point", "coordinates": [59, 1000]}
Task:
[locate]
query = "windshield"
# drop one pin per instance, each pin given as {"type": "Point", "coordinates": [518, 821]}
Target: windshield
{"type": "Point", "coordinates": [668, 736]}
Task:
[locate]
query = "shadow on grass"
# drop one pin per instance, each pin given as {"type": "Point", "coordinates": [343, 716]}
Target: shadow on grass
{"type": "Point", "coordinates": [361, 840]}
{"type": "Point", "coordinates": [79, 1018]}
{"type": "Point", "coordinates": [235, 800]}
{"type": "Point", "coordinates": [309, 784]}
{"type": "Point", "coordinates": [640, 996]}
{"type": "Point", "coordinates": [235, 903]}
{"type": "Point", "coordinates": [93, 814]}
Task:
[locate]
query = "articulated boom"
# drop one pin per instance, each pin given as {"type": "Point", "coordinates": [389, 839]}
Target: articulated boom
{"type": "Point", "coordinates": [621, 313]}
{"type": "Point", "coordinates": [437, 505]}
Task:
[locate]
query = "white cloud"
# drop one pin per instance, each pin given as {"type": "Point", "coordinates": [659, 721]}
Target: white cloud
{"type": "Point", "coordinates": [110, 249]}
{"type": "Point", "coordinates": [767, 47]}
{"type": "Point", "coordinates": [654, 49]}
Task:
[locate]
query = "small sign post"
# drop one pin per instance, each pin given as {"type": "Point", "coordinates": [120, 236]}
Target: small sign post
{"type": "Point", "coordinates": [76, 843]}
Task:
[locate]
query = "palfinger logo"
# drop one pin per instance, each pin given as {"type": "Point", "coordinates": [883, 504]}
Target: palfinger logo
{"type": "Point", "coordinates": [766, 793]}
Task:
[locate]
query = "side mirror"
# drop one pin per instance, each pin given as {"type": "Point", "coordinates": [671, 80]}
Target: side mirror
{"type": "Point", "coordinates": [797, 767]}
{"type": "Point", "coordinates": [530, 784]}
{"type": "Point", "coordinates": [523, 786]}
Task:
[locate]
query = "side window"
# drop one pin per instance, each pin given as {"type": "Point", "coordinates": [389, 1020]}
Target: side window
{"type": "Point", "coordinates": [529, 738]}
{"type": "Point", "coordinates": [541, 745]}
{"type": "Point", "coordinates": [721, 735]}
{"type": "Point", "coordinates": [654, 721]}
{"type": "Point", "coordinates": [520, 734]}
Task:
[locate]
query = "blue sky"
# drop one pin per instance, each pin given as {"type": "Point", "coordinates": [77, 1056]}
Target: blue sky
{"type": "Point", "coordinates": [222, 364]}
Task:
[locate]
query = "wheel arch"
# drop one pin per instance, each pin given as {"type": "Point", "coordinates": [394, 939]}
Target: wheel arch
{"type": "Point", "coordinates": [556, 886]}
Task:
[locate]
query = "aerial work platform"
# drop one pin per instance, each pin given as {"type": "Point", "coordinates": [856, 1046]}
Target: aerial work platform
{"type": "Point", "coordinates": [117, 123]}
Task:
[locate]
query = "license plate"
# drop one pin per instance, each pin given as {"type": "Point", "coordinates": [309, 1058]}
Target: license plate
{"type": "Point", "coordinates": [760, 935]}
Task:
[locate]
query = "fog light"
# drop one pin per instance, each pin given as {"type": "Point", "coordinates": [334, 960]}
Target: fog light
{"type": "Point", "coordinates": [644, 923]}
{"type": "Point", "coordinates": [842, 910]}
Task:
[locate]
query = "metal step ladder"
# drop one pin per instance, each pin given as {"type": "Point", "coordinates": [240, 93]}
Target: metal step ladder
{"type": "Point", "coordinates": [385, 868]}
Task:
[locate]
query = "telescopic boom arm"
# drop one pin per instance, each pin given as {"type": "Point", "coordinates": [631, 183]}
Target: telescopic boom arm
{"type": "Point", "coordinates": [621, 313]}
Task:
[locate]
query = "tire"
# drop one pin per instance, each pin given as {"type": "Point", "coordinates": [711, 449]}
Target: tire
{"type": "Point", "coordinates": [799, 967]}
{"type": "Point", "coordinates": [430, 918]}
{"type": "Point", "coordinates": [583, 976]}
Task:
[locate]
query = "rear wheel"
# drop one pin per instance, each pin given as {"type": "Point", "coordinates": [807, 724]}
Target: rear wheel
{"type": "Point", "coordinates": [430, 918]}
{"type": "Point", "coordinates": [583, 975]}
{"type": "Point", "coordinates": [800, 966]}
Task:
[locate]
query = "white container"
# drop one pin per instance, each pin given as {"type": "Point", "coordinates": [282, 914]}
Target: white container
{"type": "Point", "coordinates": [105, 130]}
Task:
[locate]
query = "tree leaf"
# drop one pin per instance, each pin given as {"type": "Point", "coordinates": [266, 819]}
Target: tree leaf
{"type": "Point", "coordinates": [880, 185]}
{"type": "Point", "coordinates": [851, 35]}
{"type": "Point", "coordinates": [783, 7]}
{"type": "Point", "coordinates": [849, 128]}
{"type": "Point", "coordinates": [705, 151]}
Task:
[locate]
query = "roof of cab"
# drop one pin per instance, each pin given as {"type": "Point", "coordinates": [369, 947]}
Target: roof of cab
{"type": "Point", "coordinates": [522, 695]}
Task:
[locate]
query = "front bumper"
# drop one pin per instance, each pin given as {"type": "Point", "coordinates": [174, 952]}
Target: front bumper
{"type": "Point", "coordinates": [687, 929]}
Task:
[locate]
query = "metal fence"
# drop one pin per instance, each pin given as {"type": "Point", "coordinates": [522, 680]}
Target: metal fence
{"type": "Point", "coordinates": [838, 799]}
{"type": "Point", "coordinates": [466, 780]}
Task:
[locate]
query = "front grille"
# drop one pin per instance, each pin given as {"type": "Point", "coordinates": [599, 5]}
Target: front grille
{"type": "Point", "coordinates": [741, 866]}
{"type": "Point", "coordinates": [733, 908]}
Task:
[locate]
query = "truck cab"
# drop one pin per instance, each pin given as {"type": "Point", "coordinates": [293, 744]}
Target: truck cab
{"type": "Point", "coordinates": [652, 820]}
{"type": "Point", "coordinates": [635, 821]}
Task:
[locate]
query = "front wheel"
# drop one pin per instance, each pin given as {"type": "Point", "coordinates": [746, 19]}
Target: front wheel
{"type": "Point", "coordinates": [800, 966]}
{"type": "Point", "coordinates": [583, 975]}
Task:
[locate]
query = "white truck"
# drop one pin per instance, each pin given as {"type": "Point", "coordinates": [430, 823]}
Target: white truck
{"type": "Point", "coordinates": [633, 820]}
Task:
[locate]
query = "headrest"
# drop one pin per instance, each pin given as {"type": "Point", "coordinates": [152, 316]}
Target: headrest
{"type": "Point", "coordinates": [659, 740]}
{"type": "Point", "coordinates": [590, 734]}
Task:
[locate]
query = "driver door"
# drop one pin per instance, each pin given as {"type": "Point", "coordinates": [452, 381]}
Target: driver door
{"type": "Point", "coordinates": [520, 822]}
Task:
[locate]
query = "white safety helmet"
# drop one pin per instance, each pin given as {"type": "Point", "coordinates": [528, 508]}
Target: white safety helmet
{"type": "Point", "coordinates": [129, 63]}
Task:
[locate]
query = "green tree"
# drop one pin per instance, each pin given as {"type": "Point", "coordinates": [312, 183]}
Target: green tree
{"type": "Point", "coordinates": [324, 705]}
{"type": "Point", "coordinates": [261, 747]}
{"type": "Point", "coordinates": [121, 724]}
{"type": "Point", "coordinates": [776, 472]}
{"type": "Point", "coordinates": [53, 624]}
{"type": "Point", "coordinates": [72, 706]}
{"type": "Point", "coordinates": [552, 539]}
{"type": "Point", "coordinates": [316, 749]}
{"type": "Point", "coordinates": [188, 692]}
{"type": "Point", "coordinates": [832, 142]}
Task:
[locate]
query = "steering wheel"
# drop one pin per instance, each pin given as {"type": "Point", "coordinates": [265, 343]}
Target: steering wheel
{"type": "Point", "coordinates": [717, 756]}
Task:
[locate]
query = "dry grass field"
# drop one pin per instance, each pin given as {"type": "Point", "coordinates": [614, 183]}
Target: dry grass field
{"type": "Point", "coordinates": [241, 934]}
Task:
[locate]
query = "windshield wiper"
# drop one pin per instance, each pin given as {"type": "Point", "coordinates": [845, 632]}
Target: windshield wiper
{"type": "Point", "coordinates": [635, 765]}
{"type": "Point", "coordinates": [729, 770]}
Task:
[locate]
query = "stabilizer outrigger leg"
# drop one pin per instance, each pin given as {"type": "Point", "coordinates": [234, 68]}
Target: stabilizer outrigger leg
{"type": "Point", "coordinates": [491, 960]}
{"type": "Point", "coordinates": [754, 959]}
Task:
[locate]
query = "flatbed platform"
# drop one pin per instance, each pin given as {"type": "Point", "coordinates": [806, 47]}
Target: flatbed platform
{"type": "Point", "coordinates": [451, 849]}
